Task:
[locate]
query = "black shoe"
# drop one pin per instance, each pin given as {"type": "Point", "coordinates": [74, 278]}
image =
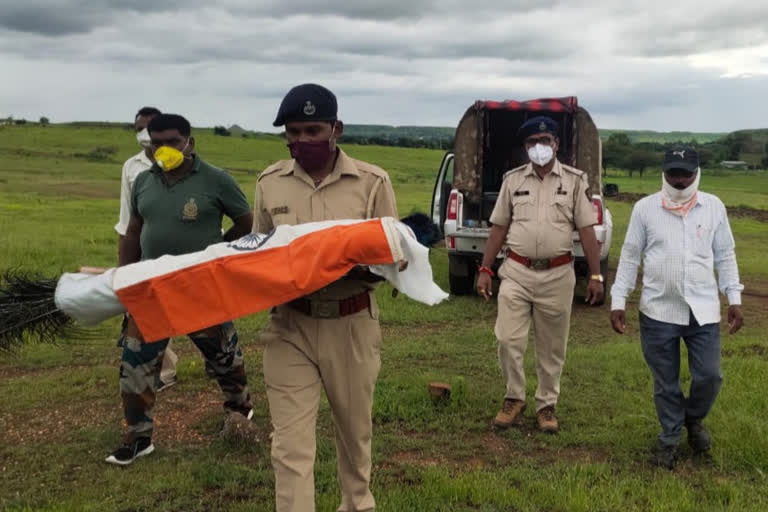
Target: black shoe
{"type": "Point", "coordinates": [131, 451]}
{"type": "Point", "coordinates": [664, 456]}
{"type": "Point", "coordinates": [698, 437]}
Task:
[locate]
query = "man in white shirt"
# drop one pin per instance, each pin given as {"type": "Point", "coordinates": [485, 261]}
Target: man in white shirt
{"type": "Point", "coordinates": [682, 236]}
{"type": "Point", "coordinates": [132, 167]}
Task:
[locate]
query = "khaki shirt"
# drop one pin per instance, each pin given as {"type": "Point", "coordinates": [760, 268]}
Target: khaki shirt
{"type": "Point", "coordinates": [286, 194]}
{"type": "Point", "coordinates": [542, 213]}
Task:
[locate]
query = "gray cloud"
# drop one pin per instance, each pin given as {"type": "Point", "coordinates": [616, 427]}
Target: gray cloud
{"type": "Point", "coordinates": [403, 62]}
{"type": "Point", "coordinates": [685, 28]}
{"type": "Point", "coordinates": [65, 17]}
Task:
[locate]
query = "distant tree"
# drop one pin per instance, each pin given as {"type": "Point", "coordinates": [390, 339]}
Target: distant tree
{"type": "Point", "coordinates": [708, 156]}
{"type": "Point", "coordinates": [615, 150]}
{"type": "Point", "coordinates": [44, 121]}
{"type": "Point", "coordinates": [21, 121]}
{"type": "Point", "coordinates": [221, 130]}
{"type": "Point", "coordinates": [619, 139]}
{"type": "Point", "coordinates": [639, 159]}
{"type": "Point", "coordinates": [764, 161]}
{"type": "Point", "coordinates": [737, 142]}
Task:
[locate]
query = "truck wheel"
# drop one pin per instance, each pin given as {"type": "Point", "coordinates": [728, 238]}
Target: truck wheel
{"type": "Point", "coordinates": [461, 275]}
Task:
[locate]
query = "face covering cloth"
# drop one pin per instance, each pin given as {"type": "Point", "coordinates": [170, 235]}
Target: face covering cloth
{"type": "Point", "coordinates": [679, 201]}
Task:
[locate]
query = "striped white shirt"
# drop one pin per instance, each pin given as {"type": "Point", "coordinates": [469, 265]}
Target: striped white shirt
{"type": "Point", "coordinates": [131, 168]}
{"type": "Point", "coordinates": [679, 256]}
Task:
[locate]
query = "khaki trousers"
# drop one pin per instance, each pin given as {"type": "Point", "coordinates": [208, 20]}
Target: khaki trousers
{"type": "Point", "coordinates": [544, 296]}
{"type": "Point", "coordinates": [302, 356]}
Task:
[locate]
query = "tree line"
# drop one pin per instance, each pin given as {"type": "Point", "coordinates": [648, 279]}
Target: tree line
{"type": "Point", "coordinates": [619, 152]}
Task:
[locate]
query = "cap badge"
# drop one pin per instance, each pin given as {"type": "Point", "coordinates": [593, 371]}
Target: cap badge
{"type": "Point", "coordinates": [309, 109]}
{"type": "Point", "coordinates": [681, 154]}
{"type": "Point", "coordinates": [542, 126]}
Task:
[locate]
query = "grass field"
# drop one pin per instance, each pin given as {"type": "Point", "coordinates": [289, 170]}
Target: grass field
{"type": "Point", "coordinates": [735, 188]}
{"type": "Point", "coordinates": [60, 411]}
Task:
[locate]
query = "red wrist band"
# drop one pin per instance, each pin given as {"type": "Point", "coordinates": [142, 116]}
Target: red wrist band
{"type": "Point", "coordinates": [485, 270]}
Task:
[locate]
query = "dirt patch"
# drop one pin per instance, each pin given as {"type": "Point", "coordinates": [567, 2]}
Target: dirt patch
{"type": "Point", "coordinates": [489, 448]}
{"type": "Point", "coordinates": [425, 329]}
{"type": "Point", "coordinates": [82, 190]}
{"type": "Point", "coordinates": [12, 372]}
{"type": "Point", "coordinates": [176, 415]}
{"type": "Point", "coordinates": [415, 459]}
{"type": "Point", "coordinates": [498, 444]}
{"type": "Point", "coordinates": [733, 211]}
{"type": "Point", "coordinates": [628, 197]}
{"type": "Point", "coordinates": [250, 172]}
{"type": "Point", "coordinates": [51, 424]}
{"type": "Point", "coordinates": [752, 213]}
{"type": "Point", "coordinates": [759, 351]}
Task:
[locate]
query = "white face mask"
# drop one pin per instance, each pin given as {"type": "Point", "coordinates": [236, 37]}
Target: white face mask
{"type": "Point", "coordinates": [142, 138]}
{"type": "Point", "coordinates": [679, 196]}
{"type": "Point", "coordinates": [540, 154]}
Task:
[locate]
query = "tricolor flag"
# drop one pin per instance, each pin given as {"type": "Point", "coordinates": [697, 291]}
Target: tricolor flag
{"type": "Point", "coordinates": [175, 295]}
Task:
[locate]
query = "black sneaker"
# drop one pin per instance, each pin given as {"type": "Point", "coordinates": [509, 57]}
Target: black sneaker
{"type": "Point", "coordinates": [664, 455]}
{"type": "Point", "coordinates": [130, 451]}
{"type": "Point", "coordinates": [698, 437]}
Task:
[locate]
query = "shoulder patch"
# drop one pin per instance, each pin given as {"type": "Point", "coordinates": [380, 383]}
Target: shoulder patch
{"type": "Point", "coordinates": [572, 170]}
{"type": "Point", "coordinates": [516, 169]}
{"type": "Point", "coordinates": [370, 168]}
{"type": "Point", "coordinates": [277, 166]}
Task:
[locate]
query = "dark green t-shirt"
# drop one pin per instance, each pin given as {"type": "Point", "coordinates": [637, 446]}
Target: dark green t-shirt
{"type": "Point", "coordinates": [186, 216]}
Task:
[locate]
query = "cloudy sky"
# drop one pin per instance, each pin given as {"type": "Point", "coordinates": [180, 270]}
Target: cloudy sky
{"type": "Point", "coordinates": [665, 65]}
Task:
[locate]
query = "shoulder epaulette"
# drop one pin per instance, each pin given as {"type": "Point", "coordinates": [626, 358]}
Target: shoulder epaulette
{"type": "Point", "coordinates": [277, 166]}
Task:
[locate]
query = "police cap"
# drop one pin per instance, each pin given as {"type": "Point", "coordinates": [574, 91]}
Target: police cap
{"type": "Point", "coordinates": [537, 125]}
{"type": "Point", "coordinates": [307, 102]}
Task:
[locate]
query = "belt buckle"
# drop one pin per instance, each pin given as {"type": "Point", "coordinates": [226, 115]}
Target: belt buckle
{"type": "Point", "coordinates": [539, 264]}
{"type": "Point", "coordinates": [325, 308]}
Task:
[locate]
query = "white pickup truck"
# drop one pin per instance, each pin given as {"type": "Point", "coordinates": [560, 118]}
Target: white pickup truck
{"type": "Point", "coordinates": [470, 177]}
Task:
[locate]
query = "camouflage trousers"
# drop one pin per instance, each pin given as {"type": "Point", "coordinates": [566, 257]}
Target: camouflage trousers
{"type": "Point", "coordinates": [141, 365]}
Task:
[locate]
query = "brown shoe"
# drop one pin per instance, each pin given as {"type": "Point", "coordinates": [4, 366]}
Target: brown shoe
{"type": "Point", "coordinates": [510, 413]}
{"type": "Point", "coordinates": [547, 420]}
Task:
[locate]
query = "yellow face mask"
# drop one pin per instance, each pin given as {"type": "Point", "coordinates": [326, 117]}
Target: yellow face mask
{"type": "Point", "coordinates": [168, 158]}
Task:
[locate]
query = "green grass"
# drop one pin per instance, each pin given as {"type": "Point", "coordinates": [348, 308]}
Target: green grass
{"type": "Point", "coordinates": [734, 188]}
{"type": "Point", "coordinates": [60, 410]}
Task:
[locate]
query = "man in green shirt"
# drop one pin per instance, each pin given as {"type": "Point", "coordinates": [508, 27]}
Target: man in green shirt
{"type": "Point", "coordinates": [176, 208]}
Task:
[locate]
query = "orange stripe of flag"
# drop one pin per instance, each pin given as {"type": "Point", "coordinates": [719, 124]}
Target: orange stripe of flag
{"type": "Point", "coordinates": [229, 287]}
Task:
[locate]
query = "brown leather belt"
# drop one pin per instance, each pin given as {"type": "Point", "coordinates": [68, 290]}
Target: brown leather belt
{"type": "Point", "coordinates": [317, 308]}
{"type": "Point", "coordinates": [540, 264]}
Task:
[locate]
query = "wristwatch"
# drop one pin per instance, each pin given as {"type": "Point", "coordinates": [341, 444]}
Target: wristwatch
{"type": "Point", "coordinates": [596, 277]}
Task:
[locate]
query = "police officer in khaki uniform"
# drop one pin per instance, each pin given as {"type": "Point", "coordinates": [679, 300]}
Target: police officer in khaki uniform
{"type": "Point", "coordinates": [330, 339]}
{"type": "Point", "coordinates": [538, 207]}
